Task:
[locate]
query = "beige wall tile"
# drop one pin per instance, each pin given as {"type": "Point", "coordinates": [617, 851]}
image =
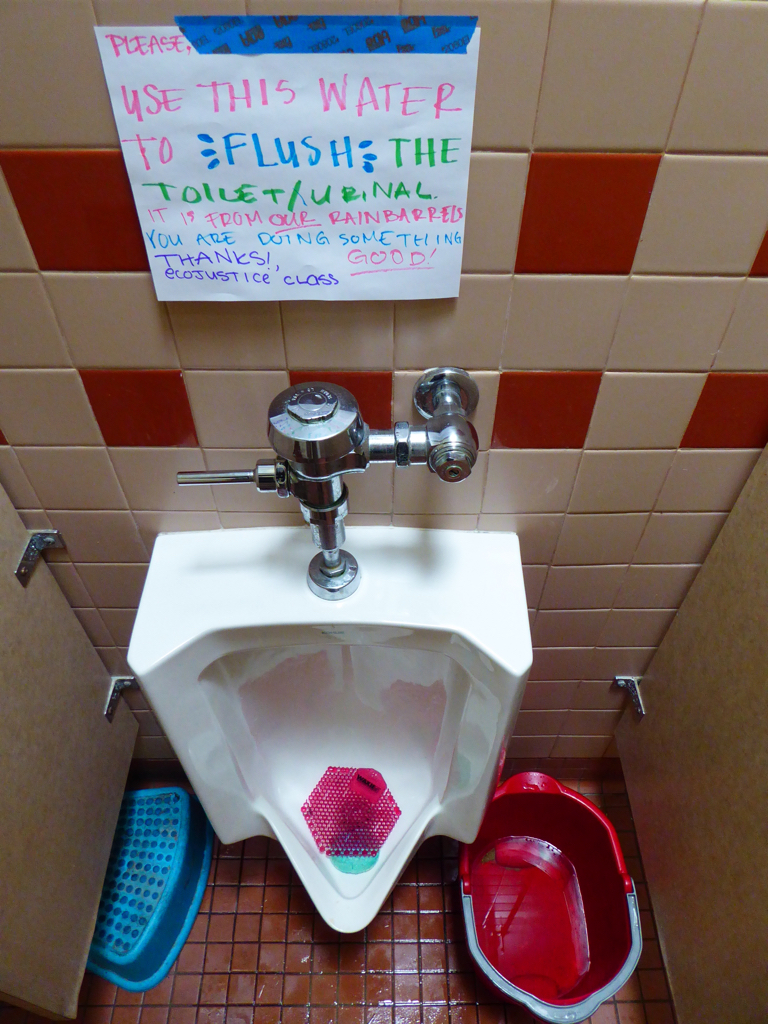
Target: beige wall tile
{"type": "Point", "coordinates": [42, 102]}
{"type": "Point", "coordinates": [114, 661]}
{"type": "Point", "coordinates": [15, 250]}
{"type": "Point", "coordinates": [590, 723]}
{"type": "Point", "coordinates": [159, 12]}
{"type": "Point", "coordinates": [580, 746]}
{"type": "Point", "coordinates": [494, 206]}
{"type": "Point", "coordinates": [112, 319]}
{"type": "Point", "coordinates": [707, 215]}
{"type": "Point", "coordinates": [435, 522]}
{"type": "Point", "coordinates": [561, 663]}
{"type": "Point", "coordinates": [14, 480]}
{"type": "Point", "coordinates": [71, 585]}
{"type": "Point", "coordinates": [368, 519]}
{"type": "Point", "coordinates": [148, 724]}
{"type": "Point", "coordinates": [46, 407]}
{"type": "Point", "coordinates": [568, 628]}
{"type": "Point", "coordinates": [530, 481]}
{"type": "Point", "coordinates": [513, 34]}
{"type": "Point", "coordinates": [702, 480]}
{"type": "Point", "coordinates": [654, 586]}
{"type": "Point", "coordinates": [153, 748]}
{"type": "Point", "coordinates": [598, 695]}
{"type": "Point", "coordinates": [599, 539]}
{"type": "Point", "coordinates": [150, 524]}
{"type": "Point", "coordinates": [248, 520]}
{"type": "Point", "coordinates": [417, 491]}
{"type": "Point", "coordinates": [230, 406]}
{"type": "Point", "coordinates": [113, 585]}
{"type": "Point", "coordinates": [724, 104]}
{"type": "Point", "coordinates": [482, 418]}
{"type": "Point", "coordinates": [610, 662]}
{"type": "Point", "coordinates": [72, 477]}
{"type": "Point", "coordinates": [93, 624]}
{"type": "Point", "coordinates": [537, 533]}
{"type": "Point", "coordinates": [553, 695]}
{"type": "Point", "coordinates": [30, 335]}
{"type": "Point", "coordinates": [672, 323]}
{"type": "Point", "coordinates": [534, 578]}
{"type": "Point", "coordinates": [228, 335]}
{"type": "Point", "coordinates": [561, 322]}
{"type": "Point", "coordinates": [339, 335]}
{"type": "Point", "coordinates": [679, 537]}
{"type": "Point", "coordinates": [582, 586]}
{"type": "Point", "coordinates": [643, 410]}
{"type": "Point", "coordinates": [373, 490]}
{"type": "Point", "coordinates": [539, 723]}
{"type": "Point", "coordinates": [119, 622]}
{"type": "Point", "coordinates": [100, 536]}
{"type": "Point", "coordinates": [635, 627]}
{"type": "Point", "coordinates": [530, 746]}
{"type": "Point", "coordinates": [619, 481]}
{"type": "Point", "coordinates": [613, 73]}
{"type": "Point", "coordinates": [745, 345]}
{"type": "Point", "coordinates": [468, 330]}
{"type": "Point", "coordinates": [36, 519]}
{"type": "Point", "coordinates": [148, 477]}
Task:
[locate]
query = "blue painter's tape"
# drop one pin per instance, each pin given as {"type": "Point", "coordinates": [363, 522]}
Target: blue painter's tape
{"type": "Point", "coordinates": [302, 33]}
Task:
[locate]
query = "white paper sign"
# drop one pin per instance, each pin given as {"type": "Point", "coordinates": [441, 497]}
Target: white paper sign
{"type": "Point", "coordinates": [294, 176]}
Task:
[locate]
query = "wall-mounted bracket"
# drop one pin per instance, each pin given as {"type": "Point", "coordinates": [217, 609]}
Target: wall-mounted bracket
{"type": "Point", "coordinates": [632, 685]}
{"type": "Point", "coordinates": [119, 684]}
{"type": "Point", "coordinates": [38, 541]}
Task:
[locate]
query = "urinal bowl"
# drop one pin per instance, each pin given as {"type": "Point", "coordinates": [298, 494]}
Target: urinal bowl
{"type": "Point", "coordinates": [262, 688]}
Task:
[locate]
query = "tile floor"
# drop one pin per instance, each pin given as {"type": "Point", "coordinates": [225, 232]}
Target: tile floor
{"type": "Point", "coordinates": [260, 954]}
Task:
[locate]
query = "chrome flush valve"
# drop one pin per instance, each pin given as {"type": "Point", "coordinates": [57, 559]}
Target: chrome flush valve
{"type": "Point", "coordinates": [319, 435]}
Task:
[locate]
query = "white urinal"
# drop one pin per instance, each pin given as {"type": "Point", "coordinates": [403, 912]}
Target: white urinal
{"type": "Point", "coordinates": [407, 691]}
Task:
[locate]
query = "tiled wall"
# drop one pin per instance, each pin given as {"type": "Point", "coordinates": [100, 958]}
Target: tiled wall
{"type": "Point", "coordinates": [613, 308]}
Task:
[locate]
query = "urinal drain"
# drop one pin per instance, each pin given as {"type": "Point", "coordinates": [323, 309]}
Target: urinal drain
{"type": "Point", "coordinates": [350, 813]}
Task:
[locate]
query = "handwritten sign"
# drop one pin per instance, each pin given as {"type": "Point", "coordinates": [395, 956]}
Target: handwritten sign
{"type": "Point", "coordinates": [286, 175]}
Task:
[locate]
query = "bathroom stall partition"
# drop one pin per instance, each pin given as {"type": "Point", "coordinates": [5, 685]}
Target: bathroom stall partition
{"type": "Point", "coordinates": [696, 768]}
{"type": "Point", "coordinates": [63, 768]}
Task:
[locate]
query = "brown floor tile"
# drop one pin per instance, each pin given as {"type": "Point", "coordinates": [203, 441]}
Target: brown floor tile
{"type": "Point", "coordinates": [653, 985]}
{"type": "Point", "coordinates": [199, 930]}
{"type": "Point", "coordinates": [378, 1014]}
{"type": "Point", "coordinates": [191, 958]}
{"type": "Point", "coordinates": [433, 957]}
{"type": "Point", "coordinates": [241, 989]}
{"type": "Point", "coordinates": [380, 928]}
{"type": "Point", "coordinates": [379, 956]}
{"type": "Point", "coordinates": [213, 991]}
{"type": "Point", "coordinates": [300, 903]}
{"type": "Point", "coordinates": [276, 899]}
{"type": "Point", "coordinates": [434, 988]}
{"type": "Point", "coordinates": [154, 1015]}
{"type": "Point", "coordinates": [647, 924]}
{"type": "Point", "coordinates": [462, 988]}
{"type": "Point", "coordinates": [266, 1015]}
{"type": "Point", "coordinates": [247, 927]}
{"type": "Point", "coordinates": [432, 927]}
{"type": "Point", "coordinates": [605, 1014]}
{"type": "Point", "coordinates": [407, 1014]}
{"type": "Point", "coordinates": [435, 1015]}
{"type": "Point", "coordinates": [630, 993]}
{"type": "Point", "coordinates": [255, 847]}
{"type": "Point", "coordinates": [227, 872]}
{"type": "Point", "coordinates": [430, 872]}
{"type": "Point", "coordinates": [245, 956]}
{"type": "Point", "coordinates": [182, 1015]}
{"type": "Point", "coordinates": [88, 1015]}
{"type": "Point", "coordinates": [211, 1015]}
{"type": "Point", "coordinates": [405, 899]}
{"type": "Point", "coordinates": [253, 872]}
{"type": "Point", "coordinates": [298, 957]}
{"type": "Point", "coordinates": [272, 958]}
{"type": "Point", "coordinates": [351, 1015]}
{"type": "Point", "coordinates": [218, 956]}
{"type": "Point", "coordinates": [269, 989]}
{"type": "Point", "coordinates": [351, 989]}
{"type": "Point", "coordinates": [300, 927]}
{"type": "Point", "coordinates": [160, 995]}
{"type": "Point", "coordinates": [407, 988]}
{"type": "Point", "coordinates": [405, 927]}
{"type": "Point", "coordinates": [125, 998]}
{"type": "Point", "coordinates": [631, 1013]}
{"type": "Point", "coordinates": [186, 989]}
{"type": "Point", "coordinates": [325, 958]}
{"type": "Point", "coordinates": [278, 872]}
{"type": "Point", "coordinates": [220, 927]}
{"type": "Point", "coordinates": [659, 1013]}
{"type": "Point", "coordinates": [430, 898]}
{"type": "Point", "coordinates": [378, 989]}
{"type": "Point", "coordinates": [352, 956]}
{"type": "Point", "coordinates": [650, 956]}
{"type": "Point", "coordinates": [322, 1015]}
{"type": "Point", "coordinates": [295, 989]}
{"type": "Point", "coordinates": [492, 1014]}
{"type": "Point", "coordinates": [464, 1014]}
{"type": "Point", "coordinates": [239, 1015]}
{"type": "Point", "coordinates": [126, 1014]}
{"type": "Point", "coordinates": [224, 899]}
{"type": "Point", "coordinates": [323, 991]}
{"type": "Point", "coordinates": [406, 957]}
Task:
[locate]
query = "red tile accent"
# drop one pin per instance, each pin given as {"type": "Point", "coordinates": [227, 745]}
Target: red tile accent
{"type": "Point", "coordinates": [141, 408]}
{"type": "Point", "coordinates": [760, 266]}
{"type": "Point", "coordinates": [77, 208]}
{"type": "Point", "coordinates": [732, 412]}
{"type": "Point", "coordinates": [372, 389]}
{"type": "Point", "coordinates": [2, 438]}
{"type": "Point", "coordinates": [584, 212]}
{"type": "Point", "coordinates": [544, 410]}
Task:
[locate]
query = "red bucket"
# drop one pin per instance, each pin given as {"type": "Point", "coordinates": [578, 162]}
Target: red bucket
{"type": "Point", "coordinates": [550, 911]}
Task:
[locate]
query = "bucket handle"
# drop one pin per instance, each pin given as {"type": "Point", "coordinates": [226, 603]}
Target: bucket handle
{"type": "Point", "coordinates": [529, 782]}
